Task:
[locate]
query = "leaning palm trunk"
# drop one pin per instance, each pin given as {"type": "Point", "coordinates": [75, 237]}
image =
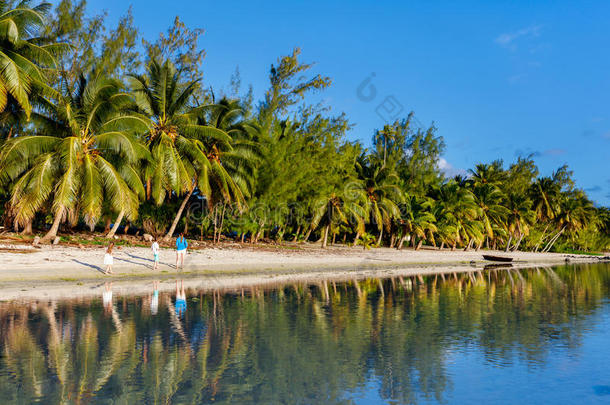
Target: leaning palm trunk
{"type": "Point", "coordinates": [55, 227]}
{"type": "Point", "coordinates": [510, 239]}
{"type": "Point", "coordinates": [380, 239]}
{"type": "Point", "coordinates": [325, 237]}
{"type": "Point", "coordinates": [401, 242]}
{"type": "Point", "coordinates": [356, 238]}
{"type": "Point", "coordinates": [518, 243]}
{"type": "Point", "coordinates": [552, 241]}
{"type": "Point", "coordinates": [27, 228]}
{"type": "Point", "coordinates": [116, 224]}
{"type": "Point", "coordinates": [542, 238]}
{"type": "Point", "coordinates": [170, 233]}
{"type": "Point", "coordinates": [306, 237]}
{"type": "Point", "coordinates": [297, 233]}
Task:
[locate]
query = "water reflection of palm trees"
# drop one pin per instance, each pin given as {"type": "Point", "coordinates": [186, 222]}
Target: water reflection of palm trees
{"type": "Point", "coordinates": [269, 344]}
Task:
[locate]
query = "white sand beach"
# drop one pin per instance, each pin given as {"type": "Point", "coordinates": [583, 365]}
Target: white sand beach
{"type": "Point", "coordinates": [70, 271]}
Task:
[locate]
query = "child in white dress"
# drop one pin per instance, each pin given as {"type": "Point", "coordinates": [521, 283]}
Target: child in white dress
{"type": "Point", "coordinates": [108, 259]}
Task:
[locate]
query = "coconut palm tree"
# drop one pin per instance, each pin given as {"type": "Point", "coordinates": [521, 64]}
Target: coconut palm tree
{"type": "Point", "coordinates": [379, 185]}
{"type": "Point", "coordinates": [80, 157]}
{"type": "Point", "coordinates": [233, 161]}
{"type": "Point", "coordinates": [337, 207]}
{"type": "Point", "coordinates": [520, 217]}
{"type": "Point", "coordinates": [493, 214]}
{"type": "Point", "coordinates": [23, 53]}
{"type": "Point", "coordinates": [491, 173]}
{"type": "Point", "coordinates": [457, 211]}
{"type": "Point", "coordinates": [416, 220]}
{"type": "Point", "coordinates": [575, 213]}
{"type": "Point", "coordinates": [182, 158]}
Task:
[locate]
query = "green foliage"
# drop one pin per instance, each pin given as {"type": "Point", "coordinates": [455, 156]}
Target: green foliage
{"type": "Point", "coordinates": [86, 135]}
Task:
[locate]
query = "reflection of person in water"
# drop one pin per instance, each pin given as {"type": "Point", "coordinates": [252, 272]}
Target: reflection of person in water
{"type": "Point", "coordinates": [154, 300]}
{"type": "Point", "coordinates": [107, 297]}
{"type": "Point", "coordinates": [109, 307]}
{"type": "Point", "coordinates": [180, 299]}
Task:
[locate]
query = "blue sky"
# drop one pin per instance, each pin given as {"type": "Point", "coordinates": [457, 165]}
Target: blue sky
{"type": "Point", "coordinates": [498, 78]}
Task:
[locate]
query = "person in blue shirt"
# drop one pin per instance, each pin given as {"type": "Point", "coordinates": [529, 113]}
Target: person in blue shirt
{"type": "Point", "coordinates": [181, 245]}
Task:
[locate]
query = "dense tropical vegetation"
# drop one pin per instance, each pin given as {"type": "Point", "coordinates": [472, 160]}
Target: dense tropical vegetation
{"type": "Point", "coordinates": [97, 131]}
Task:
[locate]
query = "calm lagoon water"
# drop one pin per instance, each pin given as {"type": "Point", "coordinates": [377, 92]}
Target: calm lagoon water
{"type": "Point", "coordinates": [495, 336]}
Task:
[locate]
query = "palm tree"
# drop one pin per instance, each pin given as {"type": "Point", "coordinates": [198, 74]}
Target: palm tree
{"type": "Point", "coordinates": [575, 213]}
{"type": "Point", "coordinates": [545, 194]}
{"type": "Point", "coordinates": [456, 211]}
{"type": "Point", "coordinates": [82, 156]}
{"type": "Point", "coordinates": [492, 213]}
{"type": "Point", "coordinates": [520, 217]}
{"type": "Point", "coordinates": [232, 162]}
{"type": "Point", "coordinates": [379, 184]}
{"type": "Point", "coordinates": [416, 220]}
{"type": "Point", "coordinates": [335, 208]}
{"type": "Point", "coordinates": [23, 54]}
{"type": "Point", "coordinates": [488, 174]}
{"type": "Point", "coordinates": [182, 158]}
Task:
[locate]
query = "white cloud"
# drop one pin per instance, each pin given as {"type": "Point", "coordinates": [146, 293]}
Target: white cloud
{"type": "Point", "coordinates": [508, 38]}
{"type": "Point", "coordinates": [448, 169]}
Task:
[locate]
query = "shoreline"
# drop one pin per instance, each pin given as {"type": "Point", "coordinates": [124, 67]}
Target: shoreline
{"type": "Point", "coordinates": [55, 272]}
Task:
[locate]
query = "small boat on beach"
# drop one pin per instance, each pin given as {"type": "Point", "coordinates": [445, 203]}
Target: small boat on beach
{"type": "Point", "coordinates": [493, 258]}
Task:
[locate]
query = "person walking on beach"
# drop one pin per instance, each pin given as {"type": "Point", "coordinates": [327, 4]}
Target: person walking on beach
{"type": "Point", "coordinates": [155, 249]}
{"type": "Point", "coordinates": [108, 259]}
{"type": "Point", "coordinates": [181, 245]}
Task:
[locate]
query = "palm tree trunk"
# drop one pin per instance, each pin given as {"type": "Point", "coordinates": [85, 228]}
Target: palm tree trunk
{"type": "Point", "coordinates": [510, 238]}
{"type": "Point", "coordinates": [170, 233]}
{"type": "Point", "coordinates": [441, 246]}
{"type": "Point", "coordinates": [148, 188]}
{"type": "Point", "coordinates": [116, 224]}
{"type": "Point", "coordinates": [518, 243]}
{"type": "Point", "coordinates": [380, 236]}
{"type": "Point", "coordinates": [356, 238]}
{"type": "Point", "coordinates": [421, 241]}
{"type": "Point", "coordinates": [27, 229]}
{"type": "Point", "coordinates": [401, 242]}
{"type": "Point", "coordinates": [552, 241]}
{"type": "Point", "coordinates": [325, 238]}
{"type": "Point", "coordinates": [296, 235]}
{"type": "Point", "coordinates": [541, 238]}
{"type": "Point", "coordinates": [306, 238]}
{"type": "Point", "coordinates": [55, 227]}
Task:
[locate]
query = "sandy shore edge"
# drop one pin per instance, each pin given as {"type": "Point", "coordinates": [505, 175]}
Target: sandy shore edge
{"type": "Point", "coordinates": [67, 272]}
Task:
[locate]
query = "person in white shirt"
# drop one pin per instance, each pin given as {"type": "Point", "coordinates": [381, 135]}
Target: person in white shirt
{"type": "Point", "coordinates": [155, 249]}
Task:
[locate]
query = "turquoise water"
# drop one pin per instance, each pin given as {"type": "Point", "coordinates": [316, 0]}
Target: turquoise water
{"type": "Point", "coordinates": [494, 336]}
